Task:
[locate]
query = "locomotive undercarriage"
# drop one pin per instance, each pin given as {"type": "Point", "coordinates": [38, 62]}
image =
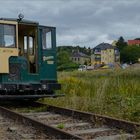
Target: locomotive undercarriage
{"type": "Point", "coordinates": [28, 91]}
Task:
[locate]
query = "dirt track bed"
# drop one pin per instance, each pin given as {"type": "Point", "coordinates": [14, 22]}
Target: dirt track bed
{"type": "Point", "coordinates": [11, 131]}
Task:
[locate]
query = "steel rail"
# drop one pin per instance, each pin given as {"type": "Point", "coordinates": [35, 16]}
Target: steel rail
{"type": "Point", "coordinates": [18, 118]}
{"type": "Point", "coordinates": [127, 126]}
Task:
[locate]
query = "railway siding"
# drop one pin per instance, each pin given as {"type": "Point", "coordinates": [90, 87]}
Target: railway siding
{"type": "Point", "coordinates": [52, 132]}
{"type": "Point", "coordinates": [130, 127]}
{"type": "Point", "coordinates": [63, 123]}
{"type": "Point", "coordinates": [86, 125]}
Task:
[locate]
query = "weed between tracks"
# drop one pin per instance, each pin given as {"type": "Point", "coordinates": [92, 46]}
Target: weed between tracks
{"type": "Point", "coordinates": [113, 93]}
{"type": "Point", "coordinates": [61, 126]}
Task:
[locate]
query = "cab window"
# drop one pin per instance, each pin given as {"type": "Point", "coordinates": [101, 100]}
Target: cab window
{"type": "Point", "coordinates": [31, 45]}
{"type": "Point", "coordinates": [7, 36]}
{"type": "Point", "coordinates": [47, 39]}
{"type": "Point", "coordinates": [25, 44]}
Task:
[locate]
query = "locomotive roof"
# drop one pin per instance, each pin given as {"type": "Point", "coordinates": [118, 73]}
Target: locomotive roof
{"type": "Point", "coordinates": [20, 21]}
{"type": "Point", "coordinates": [24, 21]}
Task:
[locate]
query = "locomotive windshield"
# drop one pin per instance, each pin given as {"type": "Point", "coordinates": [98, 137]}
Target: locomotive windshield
{"type": "Point", "coordinates": [7, 35]}
{"type": "Point", "coordinates": [47, 39]}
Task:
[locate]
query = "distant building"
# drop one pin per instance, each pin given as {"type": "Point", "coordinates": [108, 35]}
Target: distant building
{"type": "Point", "coordinates": [114, 43]}
{"type": "Point", "coordinates": [134, 42]}
{"type": "Point", "coordinates": [105, 53]}
{"type": "Point", "coordinates": [80, 58]}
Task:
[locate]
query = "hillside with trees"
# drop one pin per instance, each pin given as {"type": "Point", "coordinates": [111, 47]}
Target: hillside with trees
{"type": "Point", "coordinates": [63, 56]}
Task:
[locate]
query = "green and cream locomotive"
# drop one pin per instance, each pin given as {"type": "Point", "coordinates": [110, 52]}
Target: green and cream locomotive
{"type": "Point", "coordinates": [27, 60]}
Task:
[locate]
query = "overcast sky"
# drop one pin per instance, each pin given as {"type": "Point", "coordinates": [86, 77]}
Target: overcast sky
{"type": "Point", "coordinates": [81, 22]}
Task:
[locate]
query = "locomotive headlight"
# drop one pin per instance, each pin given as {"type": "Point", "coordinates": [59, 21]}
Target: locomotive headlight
{"type": "Point", "coordinates": [44, 86]}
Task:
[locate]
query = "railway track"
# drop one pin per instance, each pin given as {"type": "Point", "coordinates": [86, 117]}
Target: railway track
{"type": "Point", "coordinates": [63, 123]}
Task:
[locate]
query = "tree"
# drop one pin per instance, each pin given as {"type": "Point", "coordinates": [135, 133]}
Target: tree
{"type": "Point", "coordinates": [64, 62]}
{"type": "Point", "coordinates": [63, 57]}
{"type": "Point", "coordinates": [130, 54]}
{"type": "Point", "coordinates": [121, 43]}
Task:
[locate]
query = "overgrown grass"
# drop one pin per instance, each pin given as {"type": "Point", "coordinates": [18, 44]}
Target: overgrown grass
{"type": "Point", "coordinates": [110, 92]}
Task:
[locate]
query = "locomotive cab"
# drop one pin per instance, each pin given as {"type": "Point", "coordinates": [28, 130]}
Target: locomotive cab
{"type": "Point", "coordinates": [27, 59]}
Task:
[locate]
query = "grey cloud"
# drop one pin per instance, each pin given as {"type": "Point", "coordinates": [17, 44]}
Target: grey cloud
{"type": "Point", "coordinates": [81, 22]}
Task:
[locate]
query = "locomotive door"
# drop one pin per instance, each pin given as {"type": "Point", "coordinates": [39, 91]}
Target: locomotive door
{"type": "Point", "coordinates": [28, 45]}
{"type": "Point", "coordinates": [48, 51]}
{"type": "Point", "coordinates": [8, 43]}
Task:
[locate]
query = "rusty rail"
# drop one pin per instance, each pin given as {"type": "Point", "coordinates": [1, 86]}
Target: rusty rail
{"type": "Point", "coordinates": [130, 127]}
{"type": "Point", "coordinates": [18, 118]}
